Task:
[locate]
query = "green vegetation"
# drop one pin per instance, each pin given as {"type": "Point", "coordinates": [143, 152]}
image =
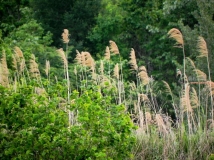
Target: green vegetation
{"type": "Point", "coordinates": [69, 91]}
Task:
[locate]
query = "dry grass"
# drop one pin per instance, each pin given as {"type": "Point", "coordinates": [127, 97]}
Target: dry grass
{"type": "Point", "coordinates": [63, 57]}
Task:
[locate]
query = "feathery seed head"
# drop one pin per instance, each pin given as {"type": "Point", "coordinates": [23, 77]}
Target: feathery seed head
{"type": "Point", "coordinates": [87, 60]}
{"type": "Point", "coordinates": [34, 70]}
{"type": "Point", "coordinates": [143, 75]}
{"type": "Point", "coordinates": [191, 62]}
{"type": "Point", "coordinates": [18, 52]}
{"type": "Point", "coordinates": [202, 47]}
{"type": "Point", "coordinates": [116, 71]}
{"type": "Point", "coordinates": [113, 47]}
{"type": "Point", "coordinates": [63, 57]}
{"type": "Point", "coordinates": [14, 62]}
{"type": "Point", "coordinates": [185, 100]}
{"type": "Point", "coordinates": [78, 57]}
{"type": "Point", "coordinates": [194, 98]}
{"type": "Point", "coordinates": [65, 36]}
{"type": "Point", "coordinates": [107, 54]}
{"type": "Point", "coordinates": [201, 76]}
{"type": "Point", "coordinates": [133, 60]}
{"type": "Point", "coordinates": [175, 34]}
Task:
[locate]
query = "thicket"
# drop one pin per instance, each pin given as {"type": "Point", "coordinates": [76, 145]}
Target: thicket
{"type": "Point", "coordinates": [85, 101]}
{"type": "Point", "coordinates": [104, 116]}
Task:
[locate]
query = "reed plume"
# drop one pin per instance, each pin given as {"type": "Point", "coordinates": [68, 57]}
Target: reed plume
{"type": "Point", "coordinates": [144, 97]}
{"type": "Point", "coordinates": [194, 98]}
{"type": "Point", "coordinates": [78, 58]}
{"type": "Point", "coordinates": [63, 57]}
{"type": "Point", "coordinates": [202, 47]}
{"type": "Point", "coordinates": [116, 71]}
{"type": "Point", "coordinates": [18, 52]}
{"type": "Point", "coordinates": [89, 61]}
{"type": "Point", "coordinates": [191, 62]}
{"type": "Point", "coordinates": [107, 54]}
{"type": "Point", "coordinates": [133, 61]}
{"type": "Point", "coordinates": [203, 51]}
{"type": "Point", "coordinates": [185, 100]}
{"type": "Point", "coordinates": [201, 76]}
{"type": "Point", "coordinates": [4, 72]}
{"type": "Point", "coordinates": [19, 60]}
{"type": "Point", "coordinates": [85, 59]}
{"type": "Point", "coordinates": [113, 47]}
{"type": "Point", "coordinates": [143, 75]}
{"type": "Point", "coordinates": [65, 36]}
{"type": "Point", "coordinates": [34, 70]}
{"type": "Point", "coordinates": [175, 34]}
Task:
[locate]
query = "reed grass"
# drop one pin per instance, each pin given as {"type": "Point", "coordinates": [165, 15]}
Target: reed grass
{"type": "Point", "coordinates": [188, 136]}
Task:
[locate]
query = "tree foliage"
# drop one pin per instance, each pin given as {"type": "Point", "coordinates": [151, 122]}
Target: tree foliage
{"type": "Point", "coordinates": [76, 16]}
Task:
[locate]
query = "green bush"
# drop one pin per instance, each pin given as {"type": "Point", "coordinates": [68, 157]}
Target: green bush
{"type": "Point", "coordinates": [33, 126]}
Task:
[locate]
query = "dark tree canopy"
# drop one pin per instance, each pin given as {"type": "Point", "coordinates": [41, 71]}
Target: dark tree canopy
{"type": "Point", "coordinates": [76, 16]}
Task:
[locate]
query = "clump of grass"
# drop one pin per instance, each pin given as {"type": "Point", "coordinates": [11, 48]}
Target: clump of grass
{"type": "Point", "coordinates": [188, 136]}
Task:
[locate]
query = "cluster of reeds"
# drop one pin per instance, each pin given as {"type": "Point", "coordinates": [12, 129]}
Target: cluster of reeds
{"type": "Point", "coordinates": [187, 136]}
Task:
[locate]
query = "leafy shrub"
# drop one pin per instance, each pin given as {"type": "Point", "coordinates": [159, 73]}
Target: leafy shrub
{"type": "Point", "coordinates": [34, 127]}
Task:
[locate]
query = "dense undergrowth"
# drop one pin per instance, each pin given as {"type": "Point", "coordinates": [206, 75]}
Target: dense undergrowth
{"type": "Point", "coordinates": [93, 112]}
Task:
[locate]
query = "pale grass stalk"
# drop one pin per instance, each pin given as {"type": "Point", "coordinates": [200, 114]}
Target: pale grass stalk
{"type": "Point", "coordinates": [117, 77]}
{"type": "Point", "coordinates": [107, 57]}
{"type": "Point", "coordinates": [64, 56]}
